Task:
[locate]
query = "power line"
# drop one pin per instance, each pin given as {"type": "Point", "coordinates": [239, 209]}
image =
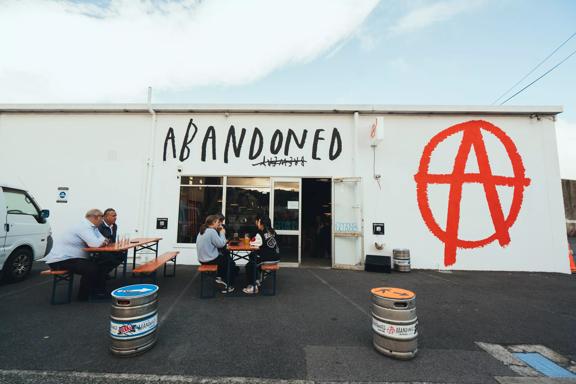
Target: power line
{"type": "Point", "coordinates": [535, 68]}
{"type": "Point", "coordinates": [545, 73]}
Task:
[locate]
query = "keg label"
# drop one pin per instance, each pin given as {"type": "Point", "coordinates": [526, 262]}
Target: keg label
{"type": "Point", "coordinates": [133, 329]}
{"type": "Point", "coordinates": [134, 291]}
{"type": "Point", "coordinates": [395, 331]}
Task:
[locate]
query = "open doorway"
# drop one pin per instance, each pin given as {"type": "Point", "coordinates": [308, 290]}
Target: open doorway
{"type": "Point", "coordinates": [316, 222]}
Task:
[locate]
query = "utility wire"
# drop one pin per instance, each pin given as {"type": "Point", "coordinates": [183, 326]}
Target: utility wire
{"type": "Point", "coordinates": [533, 69]}
{"type": "Point", "coordinates": [545, 73]}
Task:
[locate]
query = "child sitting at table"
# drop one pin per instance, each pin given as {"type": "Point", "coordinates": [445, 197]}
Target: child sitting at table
{"type": "Point", "coordinates": [268, 252]}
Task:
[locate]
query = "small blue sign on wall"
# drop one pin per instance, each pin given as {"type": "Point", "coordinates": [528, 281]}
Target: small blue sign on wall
{"type": "Point", "coordinates": [62, 195]}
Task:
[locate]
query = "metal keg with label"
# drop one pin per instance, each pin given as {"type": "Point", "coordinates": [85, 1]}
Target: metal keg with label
{"type": "Point", "coordinates": [401, 260]}
{"type": "Point", "coordinates": [394, 322]}
{"type": "Point", "coordinates": [134, 319]}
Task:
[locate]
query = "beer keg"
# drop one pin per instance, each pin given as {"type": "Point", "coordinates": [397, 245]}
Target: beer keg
{"type": "Point", "coordinates": [401, 259]}
{"type": "Point", "coordinates": [394, 322]}
{"type": "Point", "coordinates": [134, 319]}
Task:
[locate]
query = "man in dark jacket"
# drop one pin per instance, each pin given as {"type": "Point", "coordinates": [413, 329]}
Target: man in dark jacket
{"type": "Point", "coordinates": [109, 229]}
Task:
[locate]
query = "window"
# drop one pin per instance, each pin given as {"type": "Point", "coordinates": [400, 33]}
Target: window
{"type": "Point", "coordinates": [286, 205]}
{"type": "Point", "coordinates": [246, 197]}
{"type": "Point", "coordinates": [199, 197]}
{"type": "Point", "coordinates": [19, 203]}
{"type": "Point", "coordinates": [240, 199]}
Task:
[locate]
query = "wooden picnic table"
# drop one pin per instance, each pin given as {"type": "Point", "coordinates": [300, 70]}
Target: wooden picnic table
{"type": "Point", "coordinates": [237, 252]}
{"type": "Point", "coordinates": [138, 244]}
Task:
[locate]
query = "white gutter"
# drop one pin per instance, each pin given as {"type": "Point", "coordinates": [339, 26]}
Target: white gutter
{"type": "Point", "coordinates": [149, 177]}
{"type": "Point", "coordinates": [355, 144]}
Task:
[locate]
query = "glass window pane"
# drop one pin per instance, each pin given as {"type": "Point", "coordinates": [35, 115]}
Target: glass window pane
{"type": "Point", "coordinates": [18, 203]}
{"type": "Point", "coordinates": [243, 204]}
{"type": "Point", "coordinates": [288, 248]}
{"type": "Point", "coordinates": [286, 205]}
{"type": "Point", "coordinates": [249, 181]}
{"type": "Point", "coordinates": [200, 180]}
{"type": "Point", "coordinates": [196, 203]}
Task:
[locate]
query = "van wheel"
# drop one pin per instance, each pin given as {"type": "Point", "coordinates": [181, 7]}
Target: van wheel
{"type": "Point", "coordinates": [18, 265]}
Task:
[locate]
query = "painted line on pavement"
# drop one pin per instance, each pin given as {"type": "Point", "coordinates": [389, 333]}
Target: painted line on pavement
{"type": "Point", "coordinates": [173, 305]}
{"type": "Point", "coordinates": [439, 278]}
{"type": "Point", "coordinates": [531, 380]}
{"type": "Point", "coordinates": [83, 376]}
{"type": "Point", "coordinates": [507, 355]}
{"type": "Point", "coordinates": [358, 307]}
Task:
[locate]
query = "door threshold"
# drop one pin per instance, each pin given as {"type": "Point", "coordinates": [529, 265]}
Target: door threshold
{"type": "Point", "coordinates": [289, 265]}
{"type": "Point", "coordinates": [315, 266]}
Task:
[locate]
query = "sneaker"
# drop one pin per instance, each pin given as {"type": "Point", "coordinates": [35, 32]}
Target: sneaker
{"type": "Point", "coordinates": [250, 290]}
{"type": "Point", "coordinates": [258, 283]}
{"type": "Point", "coordinates": [218, 280]}
{"type": "Point", "coordinates": [227, 290]}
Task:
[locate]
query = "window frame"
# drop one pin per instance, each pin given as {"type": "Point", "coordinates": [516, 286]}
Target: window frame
{"type": "Point", "coordinates": [31, 201]}
{"type": "Point", "coordinates": [224, 187]}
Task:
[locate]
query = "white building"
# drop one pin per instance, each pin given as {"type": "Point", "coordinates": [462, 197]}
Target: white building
{"type": "Point", "coordinates": [470, 188]}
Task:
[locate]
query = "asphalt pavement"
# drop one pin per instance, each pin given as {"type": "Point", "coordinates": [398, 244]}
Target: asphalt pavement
{"type": "Point", "coordinates": [316, 329]}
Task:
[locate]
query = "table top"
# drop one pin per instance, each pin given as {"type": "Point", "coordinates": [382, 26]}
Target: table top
{"type": "Point", "coordinates": [242, 247]}
{"type": "Point", "coordinates": [132, 244]}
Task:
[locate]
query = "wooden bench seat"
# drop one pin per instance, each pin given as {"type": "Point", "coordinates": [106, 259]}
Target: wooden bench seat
{"type": "Point", "coordinates": [51, 272]}
{"type": "Point", "coordinates": [269, 270]}
{"type": "Point", "coordinates": [61, 275]}
{"type": "Point", "coordinates": [270, 267]}
{"type": "Point", "coordinates": [149, 269]}
{"type": "Point", "coordinates": [207, 269]}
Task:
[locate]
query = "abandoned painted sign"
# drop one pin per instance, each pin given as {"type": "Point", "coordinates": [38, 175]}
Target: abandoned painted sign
{"type": "Point", "coordinates": [268, 148]}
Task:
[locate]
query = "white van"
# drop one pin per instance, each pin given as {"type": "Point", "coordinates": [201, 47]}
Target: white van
{"type": "Point", "coordinates": [25, 235]}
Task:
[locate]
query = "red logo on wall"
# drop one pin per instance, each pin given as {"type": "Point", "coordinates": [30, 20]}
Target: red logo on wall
{"type": "Point", "coordinates": [471, 138]}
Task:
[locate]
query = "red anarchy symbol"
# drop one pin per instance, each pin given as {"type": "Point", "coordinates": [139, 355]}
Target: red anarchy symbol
{"type": "Point", "coordinates": [471, 137]}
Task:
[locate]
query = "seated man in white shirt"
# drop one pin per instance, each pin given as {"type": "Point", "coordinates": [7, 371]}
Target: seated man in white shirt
{"type": "Point", "coordinates": [68, 254]}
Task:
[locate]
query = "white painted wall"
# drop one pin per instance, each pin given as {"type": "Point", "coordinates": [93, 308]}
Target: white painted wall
{"type": "Point", "coordinates": [538, 241]}
{"type": "Point", "coordinates": [566, 134]}
{"type": "Point", "coordinates": [99, 157]}
{"type": "Point", "coordinates": [102, 158]}
{"type": "Point", "coordinates": [167, 186]}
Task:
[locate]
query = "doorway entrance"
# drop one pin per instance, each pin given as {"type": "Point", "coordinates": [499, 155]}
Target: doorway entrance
{"type": "Point", "coordinates": [316, 222]}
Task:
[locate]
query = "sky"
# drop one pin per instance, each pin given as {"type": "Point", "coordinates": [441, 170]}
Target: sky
{"type": "Point", "coordinates": [410, 52]}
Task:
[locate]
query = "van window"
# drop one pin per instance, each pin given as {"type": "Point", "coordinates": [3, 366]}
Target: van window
{"type": "Point", "coordinates": [19, 203]}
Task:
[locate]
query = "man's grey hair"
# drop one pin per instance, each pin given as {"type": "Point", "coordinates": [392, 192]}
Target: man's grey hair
{"type": "Point", "coordinates": [94, 212]}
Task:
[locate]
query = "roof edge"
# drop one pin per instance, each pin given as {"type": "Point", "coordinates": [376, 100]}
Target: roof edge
{"type": "Point", "coordinates": [281, 108]}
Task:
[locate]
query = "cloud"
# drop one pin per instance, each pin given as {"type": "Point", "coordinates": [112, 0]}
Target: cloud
{"type": "Point", "coordinates": [566, 142]}
{"type": "Point", "coordinates": [69, 51]}
{"type": "Point", "coordinates": [429, 14]}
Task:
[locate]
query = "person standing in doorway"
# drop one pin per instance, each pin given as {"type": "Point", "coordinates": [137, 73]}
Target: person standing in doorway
{"type": "Point", "coordinates": [68, 253]}
{"type": "Point", "coordinates": [109, 229]}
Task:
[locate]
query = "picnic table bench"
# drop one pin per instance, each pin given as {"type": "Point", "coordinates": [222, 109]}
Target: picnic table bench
{"type": "Point", "coordinates": [149, 269]}
{"type": "Point", "coordinates": [59, 277]}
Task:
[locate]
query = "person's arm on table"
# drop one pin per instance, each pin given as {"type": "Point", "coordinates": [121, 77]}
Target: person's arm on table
{"type": "Point", "coordinates": [92, 238]}
{"type": "Point", "coordinates": [257, 241]}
